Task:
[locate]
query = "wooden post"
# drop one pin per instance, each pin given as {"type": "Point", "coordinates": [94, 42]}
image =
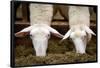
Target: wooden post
{"type": "Point", "coordinates": [25, 12]}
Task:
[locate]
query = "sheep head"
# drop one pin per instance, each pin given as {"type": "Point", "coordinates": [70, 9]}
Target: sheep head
{"type": "Point", "coordinates": [39, 33]}
{"type": "Point", "coordinates": [79, 36]}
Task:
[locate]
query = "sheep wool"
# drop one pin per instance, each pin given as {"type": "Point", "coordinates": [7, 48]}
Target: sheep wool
{"type": "Point", "coordinates": [79, 16]}
{"type": "Point", "coordinates": [41, 14]}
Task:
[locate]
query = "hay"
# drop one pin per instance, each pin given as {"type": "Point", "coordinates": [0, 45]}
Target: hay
{"type": "Point", "coordinates": [57, 53]}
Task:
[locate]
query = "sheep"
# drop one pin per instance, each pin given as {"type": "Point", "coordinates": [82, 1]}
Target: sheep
{"type": "Point", "coordinates": [79, 23]}
{"type": "Point", "coordinates": [39, 29]}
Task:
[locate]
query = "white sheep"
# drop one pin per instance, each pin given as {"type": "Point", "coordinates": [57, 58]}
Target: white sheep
{"type": "Point", "coordinates": [79, 32]}
{"type": "Point", "coordinates": [40, 20]}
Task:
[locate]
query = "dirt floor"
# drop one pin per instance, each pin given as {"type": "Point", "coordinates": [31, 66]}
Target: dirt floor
{"type": "Point", "coordinates": [57, 53]}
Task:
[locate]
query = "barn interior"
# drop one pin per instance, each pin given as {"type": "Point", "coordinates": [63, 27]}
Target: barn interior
{"type": "Point", "coordinates": [57, 53]}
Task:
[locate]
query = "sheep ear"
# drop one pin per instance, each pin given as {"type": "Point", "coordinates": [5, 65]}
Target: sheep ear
{"type": "Point", "coordinates": [24, 32]}
{"type": "Point", "coordinates": [67, 34]}
{"type": "Point", "coordinates": [54, 32]}
{"type": "Point", "coordinates": [89, 31]}
{"type": "Point", "coordinates": [21, 34]}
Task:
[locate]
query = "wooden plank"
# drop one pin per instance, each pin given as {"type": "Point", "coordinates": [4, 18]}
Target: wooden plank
{"type": "Point", "coordinates": [55, 23]}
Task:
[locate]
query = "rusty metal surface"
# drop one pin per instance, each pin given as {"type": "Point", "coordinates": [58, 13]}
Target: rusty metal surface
{"type": "Point", "coordinates": [59, 25]}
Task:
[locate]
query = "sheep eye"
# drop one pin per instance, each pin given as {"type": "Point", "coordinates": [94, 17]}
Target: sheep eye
{"type": "Point", "coordinates": [30, 35]}
{"type": "Point", "coordinates": [48, 35]}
